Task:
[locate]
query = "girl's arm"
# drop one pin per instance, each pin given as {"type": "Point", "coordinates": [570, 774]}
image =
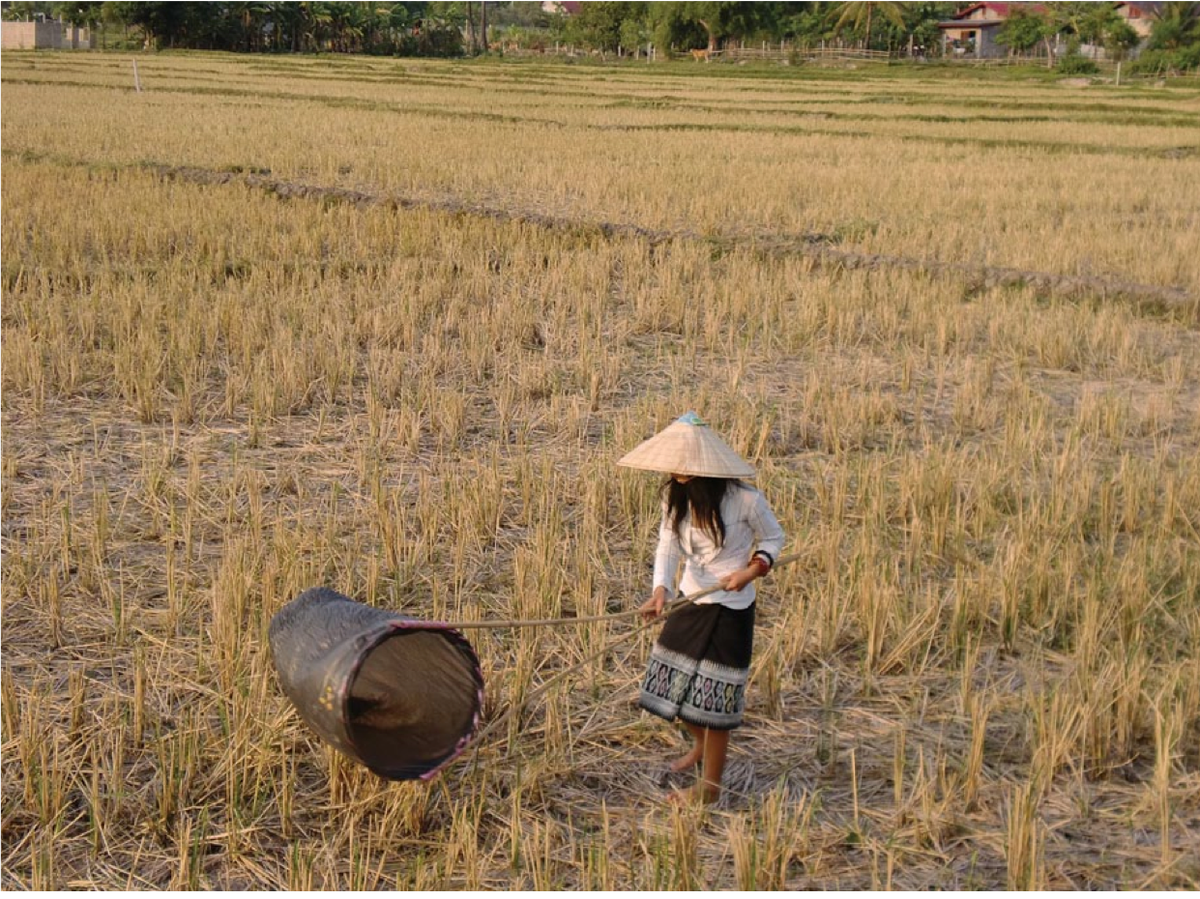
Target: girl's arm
{"type": "Point", "coordinates": [768, 537]}
{"type": "Point", "coordinates": [666, 566]}
{"type": "Point", "coordinates": [666, 557]}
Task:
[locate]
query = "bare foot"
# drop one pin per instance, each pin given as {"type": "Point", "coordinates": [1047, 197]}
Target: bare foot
{"type": "Point", "coordinates": [704, 794]}
{"type": "Point", "coordinates": [689, 761]}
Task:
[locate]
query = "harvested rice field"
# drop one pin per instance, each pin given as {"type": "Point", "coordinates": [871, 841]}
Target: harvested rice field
{"type": "Point", "coordinates": [385, 326]}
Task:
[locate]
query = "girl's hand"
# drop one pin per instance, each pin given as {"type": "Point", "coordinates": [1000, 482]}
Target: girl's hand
{"type": "Point", "coordinates": [739, 579]}
{"type": "Point", "coordinates": [653, 607]}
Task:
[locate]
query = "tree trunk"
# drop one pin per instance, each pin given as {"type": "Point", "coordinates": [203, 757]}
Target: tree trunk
{"type": "Point", "coordinates": [483, 24]}
{"type": "Point", "coordinates": [472, 45]}
{"type": "Point", "coordinates": [867, 42]}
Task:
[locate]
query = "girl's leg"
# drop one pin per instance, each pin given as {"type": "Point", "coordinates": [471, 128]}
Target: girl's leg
{"type": "Point", "coordinates": [694, 757]}
{"type": "Point", "coordinates": [716, 748]}
{"type": "Point", "coordinates": [713, 746]}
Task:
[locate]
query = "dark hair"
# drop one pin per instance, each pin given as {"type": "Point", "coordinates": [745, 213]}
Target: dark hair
{"type": "Point", "coordinates": [703, 496]}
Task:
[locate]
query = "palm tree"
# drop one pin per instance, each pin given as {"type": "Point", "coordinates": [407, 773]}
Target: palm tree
{"type": "Point", "coordinates": [395, 22]}
{"type": "Point", "coordinates": [316, 19]}
{"type": "Point", "coordinates": [250, 18]}
{"type": "Point", "coordinates": [861, 14]}
{"type": "Point", "coordinates": [1175, 25]}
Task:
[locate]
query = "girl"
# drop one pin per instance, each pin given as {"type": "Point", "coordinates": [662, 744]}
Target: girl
{"type": "Point", "coordinates": [726, 535]}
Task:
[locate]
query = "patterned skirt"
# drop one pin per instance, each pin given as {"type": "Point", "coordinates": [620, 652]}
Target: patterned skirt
{"type": "Point", "coordinates": [699, 666]}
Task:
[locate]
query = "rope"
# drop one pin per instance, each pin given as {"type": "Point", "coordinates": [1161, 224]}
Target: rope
{"type": "Point", "coordinates": [674, 605]}
{"type": "Point", "coordinates": [591, 619]}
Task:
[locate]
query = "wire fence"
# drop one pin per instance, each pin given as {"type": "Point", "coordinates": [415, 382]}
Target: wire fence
{"type": "Point", "coordinates": [785, 52]}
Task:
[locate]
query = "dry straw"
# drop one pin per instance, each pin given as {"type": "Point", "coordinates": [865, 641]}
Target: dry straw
{"type": "Point", "coordinates": [981, 669]}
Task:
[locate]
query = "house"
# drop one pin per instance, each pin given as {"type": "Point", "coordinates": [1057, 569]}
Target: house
{"type": "Point", "coordinates": [1140, 16]}
{"type": "Point", "coordinates": [560, 8]}
{"type": "Point", "coordinates": [972, 31]}
{"type": "Point", "coordinates": [43, 36]}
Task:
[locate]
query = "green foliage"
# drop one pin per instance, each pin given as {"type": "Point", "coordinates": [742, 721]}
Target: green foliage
{"type": "Point", "coordinates": [862, 15]}
{"type": "Point", "coordinates": [369, 27]}
{"type": "Point", "coordinates": [1089, 21]}
{"type": "Point", "coordinates": [87, 15]}
{"type": "Point", "coordinates": [428, 28]}
{"type": "Point", "coordinates": [685, 25]}
{"type": "Point", "coordinates": [1074, 64]}
{"type": "Point", "coordinates": [599, 25]}
{"type": "Point", "coordinates": [1174, 44]}
{"type": "Point", "coordinates": [436, 38]}
{"type": "Point", "coordinates": [807, 26]}
{"type": "Point", "coordinates": [1120, 39]}
{"type": "Point", "coordinates": [1167, 62]}
{"type": "Point", "coordinates": [21, 11]}
{"type": "Point", "coordinates": [1097, 24]}
{"type": "Point", "coordinates": [921, 21]}
{"type": "Point", "coordinates": [1176, 26]}
{"type": "Point", "coordinates": [525, 15]}
{"type": "Point", "coordinates": [673, 24]}
{"type": "Point", "coordinates": [169, 24]}
{"type": "Point", "coordinates": [635, 32]}
{"type": "Point", "coordinates": [526, 38]}
{"type": "Point", "coordinates": [1023, 30]}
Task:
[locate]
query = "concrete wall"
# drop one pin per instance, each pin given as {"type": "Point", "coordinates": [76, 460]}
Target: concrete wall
{"type": "Point", "coordinates": [43, 36]}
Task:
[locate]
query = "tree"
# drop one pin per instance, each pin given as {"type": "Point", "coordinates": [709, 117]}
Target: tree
{"type": "Point", "coordinates": [861, 15]}
{"type": "Point", "coordinates": [438, 31]}
{"type": "Point", "coordinates": [1056, 18]}
{"type": "Point", "coordinates": [1176, 26]}
{"type": "Point", "coordinates": [242, 29]}
{"type": "Point", "coordinates": [808, 26]}
{"type": "Point", "coordinates": [1084, 20]}
{"type": "Point", "coordinates": [917, 28]}
{"type": "Point", "coordinates": [345, 30]}
{"type": "Point", "coordinates": [86, 15]}
{"type": "Point", "coordinates": [162, 24]}
{"type": "Point", "coordinates": [672, 25]}
{"type": "Point", "coordinates": [381, 26]}
{"type": "Point", "coordinates": [685, 24]}
{"type": "Point", "coordinates": [314, 25]}
{"type": "Point", "coordinates": [1119, 39]}
{"type": "Point", "coordinates": [21, 11]}
{"type": "Point", "coordinates": [598, 25]}
{"type": "Point", "coordinates": [1097, 24]}
{"type": "Point", "coordinates": [634, 33]}
{"type": "Point", "coordinates": [1023, 30]}
{"type": "Point", "coordinates": [287, 26]}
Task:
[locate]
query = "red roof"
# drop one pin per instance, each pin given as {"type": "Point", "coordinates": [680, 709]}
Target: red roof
{"type": "Point", "coordinates": [1140, 10]}
{"type": "Point", "coordinates": [1000, 9]}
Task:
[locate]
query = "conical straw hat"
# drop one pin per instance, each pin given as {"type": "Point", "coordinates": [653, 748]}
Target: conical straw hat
{"type": "Point", "coordinates": [688, 446]}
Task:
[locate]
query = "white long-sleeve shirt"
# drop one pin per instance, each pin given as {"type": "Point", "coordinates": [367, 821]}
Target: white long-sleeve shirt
{"type": "Point", "coordinates": [749, 526]}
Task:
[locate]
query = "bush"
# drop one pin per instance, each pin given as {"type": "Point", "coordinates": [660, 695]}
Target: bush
{"type": "Point", "coordinates": [1166, 62]}
{"type": "Point", "coordinates": [1074, 64]}
{"type": "Point", "coordinates": [435, 40]}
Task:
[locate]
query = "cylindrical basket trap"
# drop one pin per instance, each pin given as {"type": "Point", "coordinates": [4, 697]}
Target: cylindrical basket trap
{"type": "Point", "coordinates": [400, 695]}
